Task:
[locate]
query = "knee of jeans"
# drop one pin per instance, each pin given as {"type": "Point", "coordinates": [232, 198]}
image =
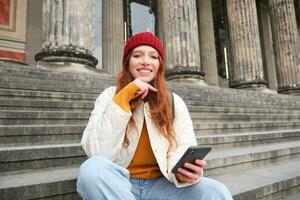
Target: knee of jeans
{"type": "Point", "coordinates": [211, 186]}
{"type": "Point", "coordinates": [93, 169]}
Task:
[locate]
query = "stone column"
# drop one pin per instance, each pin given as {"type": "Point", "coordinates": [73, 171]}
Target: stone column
{"type": "Point", "coordinates": [34, 30]}
{"type": "Point", "coordinates": [267, 46]}
{"type": "Point", "coordinates": [67, 35]}
{"type": "Point", "coordinates": [286, 45]}
{"type": "Point", "coordinates": [112, 35]}
{"type": "Point", "coordinates": [159, 22]}
{"type": "Point", "coordinates": [247, 69]}
{"type": "Point", "coordinates": [207, 42]}
{"type": "Point", "coordinates": [180, 38]}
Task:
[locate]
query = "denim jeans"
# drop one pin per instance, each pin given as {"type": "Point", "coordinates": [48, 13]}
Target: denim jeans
{"type": "Point", "coordinates": [99, 178]}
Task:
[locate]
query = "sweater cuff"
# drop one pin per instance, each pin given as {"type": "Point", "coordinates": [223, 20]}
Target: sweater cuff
{"type": "Point", "coordinates": [124, 96]}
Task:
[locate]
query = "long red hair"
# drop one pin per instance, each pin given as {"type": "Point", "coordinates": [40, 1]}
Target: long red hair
{"type": "Point", "coordinates": [159, 103]}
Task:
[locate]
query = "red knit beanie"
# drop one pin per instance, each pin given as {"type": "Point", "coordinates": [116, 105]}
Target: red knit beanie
{"type": "Point", "coordinates": [143, 38]}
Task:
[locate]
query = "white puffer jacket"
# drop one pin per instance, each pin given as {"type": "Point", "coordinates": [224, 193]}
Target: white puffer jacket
{"type": "Point", "coordinates": [104, 133]}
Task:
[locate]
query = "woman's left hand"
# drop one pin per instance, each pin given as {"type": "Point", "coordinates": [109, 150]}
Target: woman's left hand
{"type": "Point", "coordinates": [192, 171]}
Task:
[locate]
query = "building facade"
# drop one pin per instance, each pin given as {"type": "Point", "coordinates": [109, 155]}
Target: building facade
{"type": "Point", "coordinates": [249, 44]}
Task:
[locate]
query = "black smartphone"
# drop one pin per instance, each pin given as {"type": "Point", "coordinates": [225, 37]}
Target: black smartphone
{"type": "Point", "coordinates": [190, 155]}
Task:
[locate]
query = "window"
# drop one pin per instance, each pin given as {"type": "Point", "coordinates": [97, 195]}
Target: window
{"type": "Point", "coordinates": [142, 18]}
{"type": "Point", "coordinates": [97, 32]}
{"type": "Point", "coordinates": [221, 37]}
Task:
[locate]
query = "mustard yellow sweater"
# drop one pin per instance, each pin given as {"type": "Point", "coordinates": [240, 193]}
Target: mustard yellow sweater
{"type": "Point", "coordinates": [143, 164]}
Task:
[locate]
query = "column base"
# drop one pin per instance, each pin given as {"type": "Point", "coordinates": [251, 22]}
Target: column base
{"type": "Point", "coordinates": [293, 90]}
{"type": "Point", "coordinates": [266, 90]}
{"type": "Point", "coordinates": [192, 75]}
{"type": "Point", "coordinates": [67, 55]}
{"type": "Point", "coordinates": [254, 85]}
{"type": "Point", "coordinates": [12, 61]}
{"type": "Point", "coordinates": [190, 81]}
{"type": "Point", "coordinates": [67, 67]}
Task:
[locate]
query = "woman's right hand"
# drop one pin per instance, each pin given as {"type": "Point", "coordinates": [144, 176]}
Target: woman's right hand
{"type": "Point", "coordinates": [143, 88]}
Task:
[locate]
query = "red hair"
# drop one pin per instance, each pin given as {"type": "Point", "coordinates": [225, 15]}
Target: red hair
{"type": "Point", "coordinates": [159, 103]}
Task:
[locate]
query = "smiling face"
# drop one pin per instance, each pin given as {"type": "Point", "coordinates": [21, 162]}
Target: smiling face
{"type": "Point", "coordinates": [144, 63]}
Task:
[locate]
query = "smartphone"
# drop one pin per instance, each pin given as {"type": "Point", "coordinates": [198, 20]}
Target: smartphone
{"type": "Point", "coordinates": [190, 155]}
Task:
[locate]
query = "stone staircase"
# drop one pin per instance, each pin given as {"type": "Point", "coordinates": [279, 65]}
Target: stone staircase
{"type": "Point", "coordinates": [255, 139]}
{"type": "Point", "coordinates": [42, 117]}
{"type": "Point", "coordinates": [255, 136]}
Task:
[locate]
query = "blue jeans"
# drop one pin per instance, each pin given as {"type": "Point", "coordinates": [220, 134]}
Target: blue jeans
{"type": "Point", "coordinates": [100, 178]}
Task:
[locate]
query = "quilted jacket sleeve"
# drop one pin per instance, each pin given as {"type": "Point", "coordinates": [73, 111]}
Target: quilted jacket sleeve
{"type": "Point", "coordinates": [185, 135]}
{"type": "Point", "coordinates": [104, 133]}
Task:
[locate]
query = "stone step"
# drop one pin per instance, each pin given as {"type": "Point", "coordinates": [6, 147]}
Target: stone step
{"type": "Point", "coordinates": [212, 93]}
{"type": "Point", "coordinates": [222, 161]}
{"type": "Point", "coordinates": [247, 139]}
{"type": "Point", "coordinates": [223, 110]}
{"type": "Point", "coordinates": [193, 100]}
{"type": "Point", "coordinates": [11, 117]}
{"type": "Point", "coordinates": [89, 84]}
{"type": "Point", "coordinates": [271, 179]}
{"type": "Point", "coordinates": [224, 96]}
{"type": "Point", "coordinates": [50, 183]}
{"type": "Point", "coordinates": [246, 104]}
{"type": "Point", "coordinates": [18, 135]}
{"type": "Point", "coordinates": [84, 105]}
{"type": "Point", "coordinates": [19, 94]}
{"type": "Point", "coordinates": [40, 73]}
{"type": "Point", "coordinates": [24, 71]}
{"type": "Point", "coordinates": [8, 117]}
{"type": "Point", "coordinates": [233, 117]}
{"type": "Point", "coordinates": [9, 69]}
{"type": "Point", "coordinates": [79, 86]}
{"type": "Point", "coordinates": [241, 127]}
{"type": "Point", "coordinates": [277, 180]}
{"type": "Point", "coordinates": [49, 88]}
{"type": "Point", "coordinates": [45, 101]}
{"type": "Point", "coordinates": [200, 114]}
{"type": "Point", "coordinates": [19, 158]}
{"type": "Point", "coordinates": [217, 106]}
{"type": "Point", "coordinates": [46, 104]}
{"type": "Point", "coordinates": [41, 134]}
{"type": "Point", "coordinates": [190, 103]}
{"type": "Point", "coordinates": [81, 105]}
{"type": "Point", "coordinates": [184, 89]}
{"type": "Point", "coordinates": [42, 95]}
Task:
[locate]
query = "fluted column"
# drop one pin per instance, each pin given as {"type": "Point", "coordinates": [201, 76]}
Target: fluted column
{"type": "Point", "coordinates": [67, 34]}
{"type": "Point", "coordinates": [207, 42]}
{"type": "Point", "coordinates": [180, 38]}
{"type": "Point", "coordinates": [267, 46]}
{"type": "Point", "coordinates": [247, 69]}
{"type": "Point", "coordinates": [286, 45]}
{"type": "Point", "coordinates": [112, 35]}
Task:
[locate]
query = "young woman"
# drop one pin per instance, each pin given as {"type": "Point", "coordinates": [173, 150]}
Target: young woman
{"type": "Point", "coordinates": [133, 141]}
